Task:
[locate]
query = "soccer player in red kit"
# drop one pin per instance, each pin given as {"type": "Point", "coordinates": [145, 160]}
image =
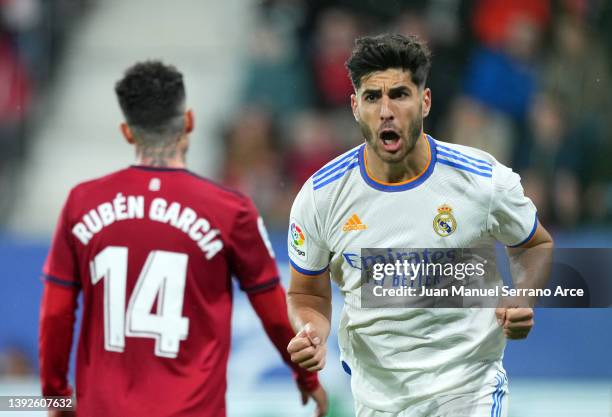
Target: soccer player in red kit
{"type": "Point", "coordinates": [153, 248]}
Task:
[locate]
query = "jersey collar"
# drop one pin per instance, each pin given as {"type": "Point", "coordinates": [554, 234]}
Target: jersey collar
{"type": "Point", "coordinates": [399, 186]}
{"type": "Point", "coordinates": [159, 169]}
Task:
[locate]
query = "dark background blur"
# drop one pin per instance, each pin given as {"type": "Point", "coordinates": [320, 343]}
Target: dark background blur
{"type": "Point", "coordinates": [33, 36]}
{"type": "Point", "coordinates": [527, 81]}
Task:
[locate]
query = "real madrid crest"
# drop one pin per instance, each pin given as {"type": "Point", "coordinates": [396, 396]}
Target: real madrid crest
{"type": "Point", "coordinates": [444, 223]}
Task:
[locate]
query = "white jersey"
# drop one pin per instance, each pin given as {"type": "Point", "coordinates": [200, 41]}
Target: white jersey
{"type": "Point", "coordinates": [398, 357]}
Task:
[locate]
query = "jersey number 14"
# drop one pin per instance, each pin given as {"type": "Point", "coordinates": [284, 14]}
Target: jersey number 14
{"type": "Point", "coordinates": [163, 279]}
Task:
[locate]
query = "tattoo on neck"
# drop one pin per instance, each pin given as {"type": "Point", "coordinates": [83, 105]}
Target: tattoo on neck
{"type": "Point", "coordinates": [157, 156]}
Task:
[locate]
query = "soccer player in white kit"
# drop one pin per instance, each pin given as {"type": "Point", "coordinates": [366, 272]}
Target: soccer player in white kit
{"type": "Point", "coordinates": [404, 189]}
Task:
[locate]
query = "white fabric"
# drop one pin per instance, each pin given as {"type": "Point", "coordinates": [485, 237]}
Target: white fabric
{"type": "Point", "coordinates": [491, 400]}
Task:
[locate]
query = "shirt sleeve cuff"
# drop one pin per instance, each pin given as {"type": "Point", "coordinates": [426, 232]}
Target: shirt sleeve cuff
{"type": "Point", "coordinates": [307, 271]}
{"type": "Point", "coordinates": [528, 238]}
{"type": "Point", "coordinates": [61, 281]}
{"type": "Point", "coordinates": [252, 289]}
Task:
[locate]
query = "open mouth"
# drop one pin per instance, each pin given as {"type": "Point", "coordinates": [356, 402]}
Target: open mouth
{"type": "Point", "coordinates": [390, 140]}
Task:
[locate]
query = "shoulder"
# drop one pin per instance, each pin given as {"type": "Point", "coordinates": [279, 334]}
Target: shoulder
{"type": "Point", "coordinates": [466, 160]}
{"type": "Point", "coordinates": [321, 189]}
{"type": "Point", "coordinates": [472, 163]}
{"type": "Point", "coordinates": [334, 170]}
{"type": "Point", "coordinates": [218, 198]}
{"type": "Point", "coordinates": [93, 185]}
{"type": "Point", "coordinates": [226, 193]}
{"type": "Point", "coordinates": [476, 166]}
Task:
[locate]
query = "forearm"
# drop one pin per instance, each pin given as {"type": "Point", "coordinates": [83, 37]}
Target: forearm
{"type": "Point", "coordinates": [57, 317]}
{"type": "Point", "coordinates": [308, 308]}
{"type": "Point", "coordinates": [271, 308]}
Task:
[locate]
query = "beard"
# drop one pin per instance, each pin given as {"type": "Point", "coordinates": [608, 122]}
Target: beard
{"type": "Point", "coordinates": [410, 137]}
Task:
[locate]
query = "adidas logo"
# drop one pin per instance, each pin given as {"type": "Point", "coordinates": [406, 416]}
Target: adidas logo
{"type": "Point", "coordinates": [354, 223]}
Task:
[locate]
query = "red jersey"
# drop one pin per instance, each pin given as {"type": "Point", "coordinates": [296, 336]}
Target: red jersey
{"type": "Point", "coordinates": [153, 251]}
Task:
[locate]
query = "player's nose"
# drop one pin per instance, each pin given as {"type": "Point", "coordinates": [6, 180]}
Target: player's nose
{"type": "Point", "coordinates": [385, 109]}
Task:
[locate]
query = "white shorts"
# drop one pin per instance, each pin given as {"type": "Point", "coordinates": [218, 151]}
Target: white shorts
{"type": "Point", "coordinates": [490, 401]}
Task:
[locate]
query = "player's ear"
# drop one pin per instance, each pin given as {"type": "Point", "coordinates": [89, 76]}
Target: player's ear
{"type": "Point", "coordinates": [426, 102]}
{"type": "Point", "coordinates": [354, 107]}
{"type": "Point", "coordinates": [189, 121]}
{"type": "Point", "coordinates": [127, 133]}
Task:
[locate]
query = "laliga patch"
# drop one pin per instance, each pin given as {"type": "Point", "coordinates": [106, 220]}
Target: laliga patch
{"type": "Point", "coordinates": [297, 241]}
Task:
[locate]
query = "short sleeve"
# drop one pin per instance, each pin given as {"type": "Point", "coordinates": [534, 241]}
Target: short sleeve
{"type": "Point", "coordinates": [252, 257]}
{"type": "Point", "coordinates": [61, 266]}
{"type": "Point", "coordinates": [308, 252]}
{"type": "Point", "coordinates": [513, 216]}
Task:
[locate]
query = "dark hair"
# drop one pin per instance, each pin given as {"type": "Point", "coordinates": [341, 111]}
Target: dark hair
{"type": "Point", "coordinates": [151, 95]}
{"type": "Point", "coordinates": [382, 52]}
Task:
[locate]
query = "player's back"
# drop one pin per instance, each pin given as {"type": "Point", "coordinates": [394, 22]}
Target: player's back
{"type": "Point", "coordinates": [155, 250]}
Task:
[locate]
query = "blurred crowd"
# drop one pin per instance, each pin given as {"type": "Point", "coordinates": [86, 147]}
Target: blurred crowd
{"type": "Point", "coordinates": [526, 80]}
{"type": "Point", "coordinates": [33, 35]}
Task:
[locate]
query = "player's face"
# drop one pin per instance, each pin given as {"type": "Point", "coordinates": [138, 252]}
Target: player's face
{"type": "Point", "coordinates": [390, 109]}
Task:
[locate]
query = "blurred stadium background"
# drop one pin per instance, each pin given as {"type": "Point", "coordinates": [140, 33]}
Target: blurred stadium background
{"type": "Point", "coordinates": [527, 80]}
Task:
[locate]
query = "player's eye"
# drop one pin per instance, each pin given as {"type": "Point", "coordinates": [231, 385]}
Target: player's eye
{"type": "Point", "coordinates": [370, 97]}
{"type": "Point", "coordinates": [400, 94]}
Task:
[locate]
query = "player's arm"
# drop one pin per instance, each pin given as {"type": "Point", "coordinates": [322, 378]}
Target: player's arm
{"type": "Point", "coordinates": [513, 221]}
{"type": "Point", "coordinates": [309, 295]}
{"type": "Point", "coordinates": [271, 307]}
{"type": "Point", "coordinates": [57, 318]}
{"type": "Point", "coordinates": [531, 261]}
{"type": "Point", "coordinates": [309, 300]}
{"type": "Point", "coordinates": [58, 310]}
{"type": "Point", "coordinates": [530, 264]}
{"type": "Point", "coordinates": [253, 263]}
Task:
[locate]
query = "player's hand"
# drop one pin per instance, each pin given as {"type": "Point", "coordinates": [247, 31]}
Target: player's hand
{"type": "Point", "coordinates": [320, 398]}
{"type": "Point", "coordinates": [307, 349]}
{"type": "Point", "coordinates": [517, 322]}
{"type": "Point", "coordinates": [61, 413]}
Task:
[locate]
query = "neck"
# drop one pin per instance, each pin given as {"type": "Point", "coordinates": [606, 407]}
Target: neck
{"type": "Point", "coordinates": [413, 165]}
{"type": "Point", "coordinates": [168, 157]}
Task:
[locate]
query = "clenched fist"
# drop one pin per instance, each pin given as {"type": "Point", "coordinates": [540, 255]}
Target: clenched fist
{"type": "Point", "coordinates": [517, 322]}
{"type": "Point", "coordinates": [307, 349]}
